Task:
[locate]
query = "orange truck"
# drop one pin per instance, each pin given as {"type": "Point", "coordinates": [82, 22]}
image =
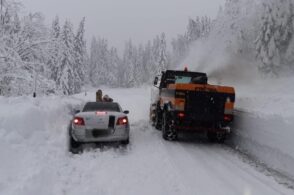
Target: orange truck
{"type": "Point", "coordinates": [186, 102]}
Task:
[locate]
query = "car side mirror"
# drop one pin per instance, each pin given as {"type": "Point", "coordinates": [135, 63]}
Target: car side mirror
{"type": "Point", "coordinates": [126, 112]}
{"type": "Point", "coordinates": [155, 81]}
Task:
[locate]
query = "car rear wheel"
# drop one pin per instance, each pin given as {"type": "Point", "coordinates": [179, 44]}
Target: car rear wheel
{"type": "Point", "coordinates": [125, 142]}
{"type": "Point", "coordinates": [74, 146]}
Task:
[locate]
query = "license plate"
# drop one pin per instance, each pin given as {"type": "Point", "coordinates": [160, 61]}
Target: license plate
{"type": "Point", "coordinates": [97, 133]}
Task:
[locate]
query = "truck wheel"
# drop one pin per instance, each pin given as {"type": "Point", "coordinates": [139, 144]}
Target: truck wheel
{"type": "Point", "coordinates": [216, 137]}
{"type": "Point", "coordinates": [157, 122]}
{"type": "Point", "coordinates": [211, 136]}
{"type": "Point", "coordinates": [220, 138]}
{"type": "Point", "coordinates": [168, 130]}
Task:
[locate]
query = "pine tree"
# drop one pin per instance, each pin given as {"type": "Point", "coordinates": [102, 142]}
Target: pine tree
{"type": "Point", "coordinates": [92, 61]}
{"type": "Point", "coordinates": [180, 48]}
{"type": "Point", "coordinates": [55, 31]}
{"type": "Point", "coordinates": [66, 73]}
{"type": "Point", "coordinates": [99, 62]}
{"type": "Point", "coordinates": [160, 54]}
{"type": "Point", "coordinates": [114, 63]}
{"type": "Point", "coordinates": [206, 26]}
{"type": "Point", "coordinates": [140, 69]}
{"type": "Point", "coordinates": [193, 30]}
{"type": "Point", "coordinates": [275, 35]}
{"type": "Point", "coordinates": [23, 52]}
{"type": "Point", "coordinates": [148, 63]}
{"type": "Point", "coordinates": [163, 61]}
{"type": "Point", "coordinates": [55, 48]}
{"type": "Point", "coordinates": [129, 64]}
{"type": "Point", "coordinates": [80, 52]}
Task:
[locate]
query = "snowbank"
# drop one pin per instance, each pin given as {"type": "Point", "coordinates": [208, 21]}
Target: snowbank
{"type": "Point", "coordinates": [267, 97]}
{"type": "Point", "coordinates": [34, 157]}
{"type": "Point", "coordinates": [264, 126]}
{"type": "Point", "coordinates": [34, 152]}
{"type": "Point", "coordinates": [32, 133]}
{"type": "Point", "coordinates": [268, 140]}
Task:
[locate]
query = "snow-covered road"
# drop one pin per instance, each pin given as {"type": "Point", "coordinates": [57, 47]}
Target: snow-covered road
{"type": "Point", "coordinates": [34, 157]}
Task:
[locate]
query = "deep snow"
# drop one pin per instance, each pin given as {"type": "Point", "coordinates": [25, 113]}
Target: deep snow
{"type": "Point", "coordinates": [264, 126]}
{"type": "Point", "coordinates": [34, 157]}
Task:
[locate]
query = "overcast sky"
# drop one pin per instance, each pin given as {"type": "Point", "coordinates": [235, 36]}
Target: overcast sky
{"type": "Point", "coordinates": [120, 20]}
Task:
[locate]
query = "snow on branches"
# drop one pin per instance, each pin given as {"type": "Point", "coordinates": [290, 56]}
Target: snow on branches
{"type": "Point", "coordinates": [35, 57]}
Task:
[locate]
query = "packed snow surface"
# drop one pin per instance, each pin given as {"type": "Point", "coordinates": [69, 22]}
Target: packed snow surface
{"type": "Point", "coordinates": [35, 158]}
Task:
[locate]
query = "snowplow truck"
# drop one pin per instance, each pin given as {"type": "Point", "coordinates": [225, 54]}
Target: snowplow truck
{"type": "Point", "coordinates": [184, 101]}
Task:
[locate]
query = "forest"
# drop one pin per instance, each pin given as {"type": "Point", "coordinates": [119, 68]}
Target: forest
{"type": "Point", "coordinates": [56, 59]}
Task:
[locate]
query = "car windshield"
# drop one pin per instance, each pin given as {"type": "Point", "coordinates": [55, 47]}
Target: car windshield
{"type": "Point", "coordinates": [101, 106]}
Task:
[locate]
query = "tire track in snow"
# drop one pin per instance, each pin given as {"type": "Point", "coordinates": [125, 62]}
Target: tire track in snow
{"type": "Point", "coordinates": [211, 158]}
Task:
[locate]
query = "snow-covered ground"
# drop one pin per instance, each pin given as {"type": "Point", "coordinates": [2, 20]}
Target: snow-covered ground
{"type": "Point", "coordinates": [35, 160]}
{"type": "Point", "coordinates": [267, 97]}
{"type": "Point", "coordinates": [264, 126]}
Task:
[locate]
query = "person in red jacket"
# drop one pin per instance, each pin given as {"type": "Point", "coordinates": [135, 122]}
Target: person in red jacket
{"type": "Point", "coordinates": [106, 98]}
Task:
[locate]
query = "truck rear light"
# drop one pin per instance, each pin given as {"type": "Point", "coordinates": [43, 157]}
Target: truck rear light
{"type": "Point", "coordinates": [79, 121]}
{"type": "Point", "coordinates": [181, 115]}
{"type": "Point", "coordinates": [122, 121]}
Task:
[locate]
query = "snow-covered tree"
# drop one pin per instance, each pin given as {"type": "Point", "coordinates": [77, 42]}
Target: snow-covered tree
{"type": "Point", "coordinates": [34, 57]}
{"type": "Point", "coordinates": [193, 30]}
{"type": "Point", "coordinates": [66, 77]}
{"type": "Point", "coordinates": [129, 63]}
{"type": "Point", "coordinates": [206, 26]}
{"type": "Point", "coordinates": [80, 52]}
{"type": "Point", "coordinates": [99, 62]}
{"type": "Point", "coordinates": [160, 54]}
{"type": "Point", "coordinates": [139, 65]}
{"type": "Point", "coordinates": [114, 64]}
{"type": "Point", "coordinates": [275, 35]}
{"type": "Point", "coordinates": [148, 63]}
{"type": "Point", "coordinates": [163, 60]}
{"type": "Point", "coordinates": [180, 48]}
{"type": "Point", "coordinates": [23, 52]}
{"type": "Point", "coordinates": [54, 49]}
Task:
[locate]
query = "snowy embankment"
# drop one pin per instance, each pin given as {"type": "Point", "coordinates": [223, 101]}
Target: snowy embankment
{"type": "Point", "coordinates": [32, 133]}
{"type": "Point", "coordinates": [35, 160]}
{"type": "Point", "coordinates": [264, 126]}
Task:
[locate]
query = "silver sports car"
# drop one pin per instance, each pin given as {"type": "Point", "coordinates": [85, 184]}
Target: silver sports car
{"type": "Point", "coordinates": [99, 122]}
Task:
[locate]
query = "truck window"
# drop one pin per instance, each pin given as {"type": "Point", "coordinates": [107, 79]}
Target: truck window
{"type": "Point", "coordinates": [183, 79]}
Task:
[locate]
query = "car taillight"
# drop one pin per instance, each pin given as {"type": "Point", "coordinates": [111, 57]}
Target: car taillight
{"type": "Point", "coordinates": [122, 121]}
{"type": "Point", "coordinates": [228, 118]}
{"type": "Point", "coordinates": [79, 121]}
{"type": "Point", "coordinates": [181, 115]}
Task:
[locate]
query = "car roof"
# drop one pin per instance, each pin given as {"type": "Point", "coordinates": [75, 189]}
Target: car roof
{"type": "Point", "coordinates": [102, 105]}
